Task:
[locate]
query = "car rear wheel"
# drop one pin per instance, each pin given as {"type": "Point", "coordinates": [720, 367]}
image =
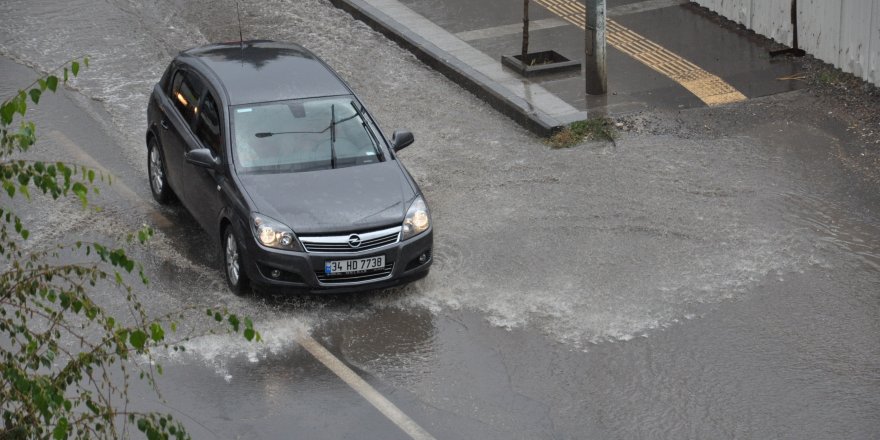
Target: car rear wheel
{"type": "Point", "coordinates": [156, 170]}
{"type": "Point", "coordinates": [233, 259]}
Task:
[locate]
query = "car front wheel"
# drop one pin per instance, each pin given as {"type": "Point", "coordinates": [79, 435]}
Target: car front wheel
{"type": "Point", "coordinates": [156, 170]}
{"type": "Point", "coordinates": [233, 259]}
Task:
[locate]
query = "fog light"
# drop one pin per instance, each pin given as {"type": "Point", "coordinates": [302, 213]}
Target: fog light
{"type": "Point", "coordinates": [275, 273]}
{"type": "Point", "coordinates": [423, 258]}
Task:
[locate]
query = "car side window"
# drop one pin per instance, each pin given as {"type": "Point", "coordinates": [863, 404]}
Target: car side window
{"type": "Point", "coordinates": [185, 90]}
{"type": "Point", "coordinates": [208, 123]}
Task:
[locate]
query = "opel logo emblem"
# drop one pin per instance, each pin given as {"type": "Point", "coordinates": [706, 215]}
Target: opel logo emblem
{"type": "Point", "coordinates": [354, 240]}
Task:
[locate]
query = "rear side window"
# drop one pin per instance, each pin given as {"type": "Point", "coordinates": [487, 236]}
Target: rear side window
{"type": "Point", "coordinates": [185, 91]}
{"type": "Point", "coordinates": [208, 123]}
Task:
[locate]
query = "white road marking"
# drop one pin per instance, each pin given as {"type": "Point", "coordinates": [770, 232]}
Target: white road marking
{"type": "Point", "coordinates": [388, 409]}
{"type": "Point", "coordinates": [85, 159]}
{"type": "Point", "coordinates": [391, 411]}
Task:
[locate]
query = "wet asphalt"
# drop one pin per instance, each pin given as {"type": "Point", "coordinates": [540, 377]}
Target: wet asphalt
{"type": "Point", "coordinates": [740, 56]}
{"type": "Point", "coordinates": [713, 274]}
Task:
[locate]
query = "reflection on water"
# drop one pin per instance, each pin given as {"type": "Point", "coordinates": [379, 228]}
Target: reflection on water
{"type": "Point", "coordinates": [584, 245]}
{"type": "Point", "coordinates": [534, 248]}
{"type": "Point", "coordinates": [836, 228]}
{"type": "Point", "coordinates": [353, 328]}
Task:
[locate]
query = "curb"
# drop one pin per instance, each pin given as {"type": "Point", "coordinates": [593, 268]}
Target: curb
{"type": "Point", "coordinates": [459, 72]}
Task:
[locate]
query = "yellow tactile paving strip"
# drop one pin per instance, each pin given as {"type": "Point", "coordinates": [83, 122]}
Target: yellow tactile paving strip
{"type": "Point", "coordinates": [709, 88]}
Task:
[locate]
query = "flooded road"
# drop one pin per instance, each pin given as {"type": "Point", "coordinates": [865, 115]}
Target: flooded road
{"type": "Point", "coordinates": [674, 285]}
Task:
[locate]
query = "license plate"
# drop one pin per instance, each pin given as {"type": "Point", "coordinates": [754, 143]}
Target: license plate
{"type": "Point", "coordinates": [338, 267]}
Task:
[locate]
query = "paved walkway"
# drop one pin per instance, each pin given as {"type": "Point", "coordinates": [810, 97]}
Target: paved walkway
{"type": "Point", "coordinates": [662, 53]}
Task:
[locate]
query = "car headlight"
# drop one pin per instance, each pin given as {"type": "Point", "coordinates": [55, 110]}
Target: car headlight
{"type": "Point", "coordinates": [417, 220]}
{"type": "Point", "coordinates": [272, 233]}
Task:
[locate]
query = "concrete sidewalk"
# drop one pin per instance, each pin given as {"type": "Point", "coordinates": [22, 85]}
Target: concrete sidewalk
{"type": "Point", "coordinates": [661, 54]}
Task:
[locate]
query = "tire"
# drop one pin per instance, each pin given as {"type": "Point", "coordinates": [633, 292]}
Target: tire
{"type": "Point", "coordinates": [234, 257]}
{"type": "Point", "coordinates": [157, 174]}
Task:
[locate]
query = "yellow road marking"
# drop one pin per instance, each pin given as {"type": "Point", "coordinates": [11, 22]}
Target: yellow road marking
{"type": "Point", "coordinates": [708, 87]}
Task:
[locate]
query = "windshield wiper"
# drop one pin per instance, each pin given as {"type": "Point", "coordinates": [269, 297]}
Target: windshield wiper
{"type": "Point", "coordinates": [357, 112]}
{"type": "Point", "coordinates": [264, 134]}
{"type": "Point", "coordinates": [332, 135]}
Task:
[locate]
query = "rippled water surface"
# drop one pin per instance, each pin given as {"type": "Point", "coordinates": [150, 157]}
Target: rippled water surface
{"type": "Point", "coordinates": [584, 244]}
{"type": "Point", "coordinates": [588, 245]}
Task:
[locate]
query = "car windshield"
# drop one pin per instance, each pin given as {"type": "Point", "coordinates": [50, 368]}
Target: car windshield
{"type": "Point", "coordinates": [303, 135]}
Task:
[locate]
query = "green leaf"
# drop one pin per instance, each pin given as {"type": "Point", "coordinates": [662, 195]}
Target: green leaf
{"type": "Point", "coordinates": [74, 67]}
{"type": "Point", "coordinates": [92, 407]}
{"type": "Point", "coordinates": [35, 95]}
{"type": "Point", "coordinates": [249, 334]}
{"type": "Point", "coordinates": [156, 332]}
{"type": "Point", "coordinates": [91, 174]}
{"type": "Point", "coordinates": [42, 83]}
{"type": "Point", "coordinates": [52, 82]}
{"type": "Point", "coordinates": [21, 101]}
{"type": "Point", "coordinates": [138, 338]}
{"type": "Point", "coordinates": [65, 75]}
{"type": "Point", "coordinates": [60, 431]}
{"type": "Point", "coordinates": [80, 190]}
{"type": "Point", "coordinates": [86, 61]}
{"type": "Point", "coordinates": [7, 111]}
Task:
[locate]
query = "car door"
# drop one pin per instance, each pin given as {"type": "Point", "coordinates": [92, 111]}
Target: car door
{"type": "Point", "coordinates": [204, 185]}
{"type": "Point", "coordinates": [178, 112]}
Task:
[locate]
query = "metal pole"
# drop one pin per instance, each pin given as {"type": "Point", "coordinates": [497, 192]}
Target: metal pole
{"type": "Point", "coordinates": [595, 72]}
{"type": "Point", "coordinates": [794, 50]}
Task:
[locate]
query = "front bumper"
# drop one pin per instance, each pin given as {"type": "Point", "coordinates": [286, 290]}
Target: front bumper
{"type": "Point", "coordinates": [302, 272]}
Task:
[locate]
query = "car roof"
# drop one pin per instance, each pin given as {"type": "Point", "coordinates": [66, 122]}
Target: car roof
{"type": "Point", "coordinates": [261, 71]}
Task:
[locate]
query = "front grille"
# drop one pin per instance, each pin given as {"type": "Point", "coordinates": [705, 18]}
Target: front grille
{"type": "Point", "coordinates": [373, 275]}
{"type": "Point", "coordinates": [340, 243]}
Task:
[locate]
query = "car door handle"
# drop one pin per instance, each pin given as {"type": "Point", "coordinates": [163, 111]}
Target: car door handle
{"type": "Point", "coordinates": [164, 124]}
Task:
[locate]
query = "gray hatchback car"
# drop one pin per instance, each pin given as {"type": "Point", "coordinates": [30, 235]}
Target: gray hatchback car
{"type": "Point", "coordinates": [278, 160]}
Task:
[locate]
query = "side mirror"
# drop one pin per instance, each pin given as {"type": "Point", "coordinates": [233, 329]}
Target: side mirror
{"type": "Point", "coordinates": [202, 157]}
{"type": "Point", "coordinates": [401, 139]}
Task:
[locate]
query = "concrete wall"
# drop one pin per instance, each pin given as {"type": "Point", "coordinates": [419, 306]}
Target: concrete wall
{"type": "Point", "coordinates": [845, 33]}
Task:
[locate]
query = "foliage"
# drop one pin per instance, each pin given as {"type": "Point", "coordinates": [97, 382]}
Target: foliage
{"type": "Point", "coordinates": [597, 129]}
{"type": "Point", "coordinates": [64, 360]}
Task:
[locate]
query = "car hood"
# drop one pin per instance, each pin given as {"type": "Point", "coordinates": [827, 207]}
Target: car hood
{"type": "Point", "coordinates": [333, 201]}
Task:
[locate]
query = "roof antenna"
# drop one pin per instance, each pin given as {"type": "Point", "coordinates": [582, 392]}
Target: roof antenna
{"type": "Point", "coordinates": [240, 37]}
